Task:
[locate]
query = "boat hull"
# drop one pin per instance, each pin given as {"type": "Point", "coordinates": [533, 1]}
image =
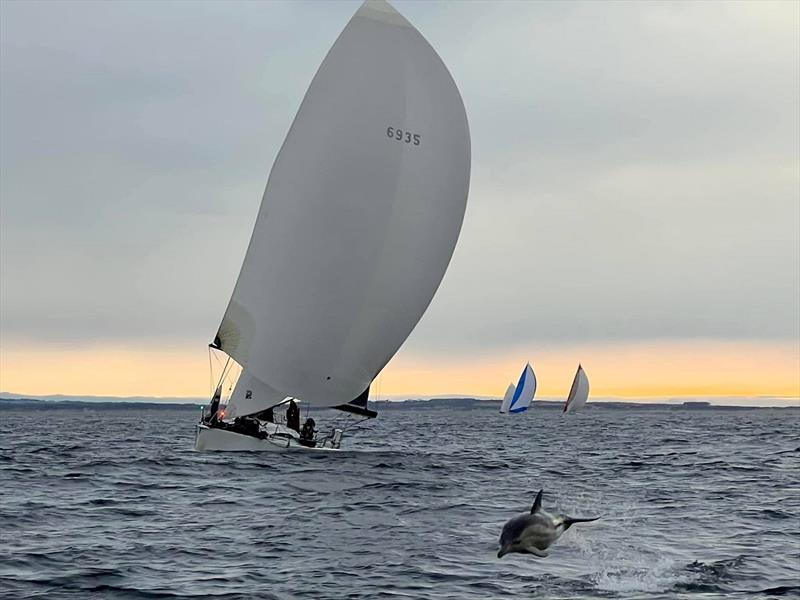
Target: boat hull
{"type": "Point", "coordinates": [212, 439]}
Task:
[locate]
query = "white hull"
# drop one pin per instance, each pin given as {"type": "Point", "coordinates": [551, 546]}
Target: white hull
{"type": "Point", "coordinates": [222, 440]}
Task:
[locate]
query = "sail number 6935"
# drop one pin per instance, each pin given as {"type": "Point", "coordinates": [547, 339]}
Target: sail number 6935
{"type": "Point", "coordinates": [403, 136]}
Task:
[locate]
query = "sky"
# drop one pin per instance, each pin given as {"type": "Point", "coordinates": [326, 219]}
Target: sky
{"type": "Point", "coordinates": [634, 202]}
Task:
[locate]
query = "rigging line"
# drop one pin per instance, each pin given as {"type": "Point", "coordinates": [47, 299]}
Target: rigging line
{"type": "Point", "coordinates": [336, 421]}
{"type": "Point", "coordinates": [349, 425]}
{"type": "Point", "coordinates": [336, 418]}
{"type": "Point", "coordinates": [229, 376]}
{"type": "Point", "coordinates": [216, 356]}
{"type": "Point", "coordinates": [228, 367]}
{"type": "Point", "coordinates": [353, 425]}
{"type": "Point", "coordinates": [210, 375]}
{"type": "Point", "coordinates": [224, 371]}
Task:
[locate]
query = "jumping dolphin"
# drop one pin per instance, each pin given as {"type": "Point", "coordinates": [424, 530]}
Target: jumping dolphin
{"type": "Point", "coordinates": [536, 532]}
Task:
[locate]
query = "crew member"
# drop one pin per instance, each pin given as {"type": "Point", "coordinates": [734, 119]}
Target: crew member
{"type": "Point", "coordinates": [307, 434]}
{"type": "Point", "coordinates": [293, 416]}
{"type": "Point", "coordinates": [213, 407]}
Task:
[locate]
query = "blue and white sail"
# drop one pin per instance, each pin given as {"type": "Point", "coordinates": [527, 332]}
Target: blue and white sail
{"type": "Point", "coordinates": [524, 392]}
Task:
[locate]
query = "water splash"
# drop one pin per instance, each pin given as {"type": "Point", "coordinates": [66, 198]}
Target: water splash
{"type": "Point", "coordinates": [630, 569]}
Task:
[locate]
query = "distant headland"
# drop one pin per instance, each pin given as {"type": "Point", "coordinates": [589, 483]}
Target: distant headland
{"type": "Point", "coordinates": [20, 401]}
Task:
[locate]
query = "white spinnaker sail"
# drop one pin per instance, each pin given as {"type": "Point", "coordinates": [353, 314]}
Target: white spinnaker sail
{"type": "Point", "coordinates": [359, 219]}
{"type": "Point", "coordinates": [507, 398]}
{"type": "Point", "coordinates": [579, 392]}
{"type": "Point", "coordinates": [525, 391]}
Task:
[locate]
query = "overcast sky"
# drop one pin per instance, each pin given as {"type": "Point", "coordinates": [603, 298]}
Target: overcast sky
{"type": "Point", "coordinates": [635, 174]}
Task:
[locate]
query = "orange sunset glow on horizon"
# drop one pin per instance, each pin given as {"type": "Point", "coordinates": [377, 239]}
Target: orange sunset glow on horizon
{"type": "Point", "coordinates": [659, 369]}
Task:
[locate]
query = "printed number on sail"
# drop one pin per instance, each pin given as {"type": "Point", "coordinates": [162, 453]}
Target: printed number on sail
{"type": "Point", "coordinates": [403, 136]}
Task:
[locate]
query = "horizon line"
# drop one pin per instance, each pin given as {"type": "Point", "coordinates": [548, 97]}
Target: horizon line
{"type": "Point", "coordinates": [406, 397]}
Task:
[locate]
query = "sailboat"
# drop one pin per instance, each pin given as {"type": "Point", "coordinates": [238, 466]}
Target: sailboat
{"type": "Point", "coordinates": [518, 398]}
{"type": "Point", "coordinates": [579, 392]}
{"type": "Point", "coordinates": [357, 225]}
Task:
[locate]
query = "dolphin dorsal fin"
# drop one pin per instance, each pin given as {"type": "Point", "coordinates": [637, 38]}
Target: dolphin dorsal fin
{"type": "Point", "coordinates": [537, 504]}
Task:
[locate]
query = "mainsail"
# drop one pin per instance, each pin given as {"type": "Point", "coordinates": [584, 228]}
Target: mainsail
{"type": "Point", "coordinates": [358, 221]}
{"type": "Point", "coordinates": [524, 392]}
{"type": "Point", "coordinates": [507, 398]}
{"type": "Point", "coordinates": [579, 392]}
{"type": "Point", "coordinates": [250, 396]}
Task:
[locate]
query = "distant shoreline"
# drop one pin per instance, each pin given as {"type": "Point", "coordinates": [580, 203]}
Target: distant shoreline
{"type": "Point", "coordinates": [455, 403]}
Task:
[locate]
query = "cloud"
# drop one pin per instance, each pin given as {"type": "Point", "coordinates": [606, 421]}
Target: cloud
{"type": "Point", "coordinates": [635, 166]}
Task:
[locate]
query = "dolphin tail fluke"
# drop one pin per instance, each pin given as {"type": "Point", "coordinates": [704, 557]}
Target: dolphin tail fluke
{"type": "Point", "coordinates": [570, 521]}
{"type": "Point", "coordinates": [537, 504]}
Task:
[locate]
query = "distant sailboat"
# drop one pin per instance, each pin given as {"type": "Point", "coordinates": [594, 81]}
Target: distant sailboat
{"type": "Point", "coordinates": [579, 392]}
{"type": "Point", "coordinates": [356, 228]}
{"type": "Point", "coordinates": [507, 398]}
{"type": "Point", "coordinates": [518, 398]}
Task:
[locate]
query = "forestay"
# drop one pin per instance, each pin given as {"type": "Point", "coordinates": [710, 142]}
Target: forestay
{"type": "Point", "coordinates": [359, 219]}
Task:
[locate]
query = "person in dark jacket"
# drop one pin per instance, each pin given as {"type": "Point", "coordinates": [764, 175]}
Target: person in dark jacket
{"type": "Point", "coordinates": [213, 407]}
{"type": "Point", "coordinates": [293, 416]}
{"type": "Point", "coordinates": [307, 434]}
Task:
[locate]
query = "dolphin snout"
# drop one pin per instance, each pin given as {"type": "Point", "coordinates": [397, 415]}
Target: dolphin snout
{"type": "Point", "coordinates": [503, 551]}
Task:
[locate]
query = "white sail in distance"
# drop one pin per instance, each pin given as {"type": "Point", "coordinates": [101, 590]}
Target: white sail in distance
{"type": "Point", "coordinates": [579, 392]}
{"type": "Point", "coordinates": [358, 221]}
{"type": "Point", "coordinates": [524, 392]}
{"type": "Point", "coordinates": [507, 398]}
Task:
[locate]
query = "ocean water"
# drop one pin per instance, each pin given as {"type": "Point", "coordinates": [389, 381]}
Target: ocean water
{"type": "Point", "coordinates": [98, 503]}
